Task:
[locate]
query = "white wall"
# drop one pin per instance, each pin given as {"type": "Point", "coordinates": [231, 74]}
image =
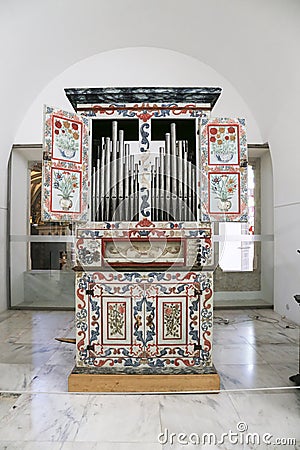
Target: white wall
{"type": "Point", "coordinates": [3, 253]}
{"type": "Point", "coordinates": [267, 228]}
{"type": "Point", "coordinates": [285, 150]}
{"type": "Point", "coordinates": [136, 66]}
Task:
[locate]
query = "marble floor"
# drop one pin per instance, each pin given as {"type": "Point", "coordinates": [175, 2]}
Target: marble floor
{"type": "Point", "coordinates": [255, 352]}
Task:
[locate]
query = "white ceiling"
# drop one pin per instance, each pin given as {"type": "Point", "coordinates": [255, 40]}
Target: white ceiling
{"type": "Point", "coordinates": [253, 44]}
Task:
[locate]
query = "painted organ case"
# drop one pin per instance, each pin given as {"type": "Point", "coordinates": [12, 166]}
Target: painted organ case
{"type": "Point", "coordinates": [159, 172]}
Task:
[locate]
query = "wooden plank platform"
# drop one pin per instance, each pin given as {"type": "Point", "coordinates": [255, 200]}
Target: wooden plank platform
{"type": "Point", "coordinates": [85, 382]}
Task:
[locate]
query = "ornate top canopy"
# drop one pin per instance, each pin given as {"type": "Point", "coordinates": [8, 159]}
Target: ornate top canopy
{"type": "Point", "coordinates": [202, 95]}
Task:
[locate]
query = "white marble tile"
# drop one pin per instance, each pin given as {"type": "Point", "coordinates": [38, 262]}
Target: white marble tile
{"type": "Point", "coordinates": [248, 376]}
{"type": "Point", "coordinates": [278, 353]}
{"type": "Point", "coordinates": [210, 446]}
{"type": "Point", "coordinates": [228, 337]}
{"type": "Point", "coordinates": [11, 329]}
{"type": "Point", "coordinates": [261, 412]}
{"type": "Point", "coordinates": [246, 334]}
{"type": "Point", "coordinates": [235, 354]}
{"type": "Point", "coordinates": [286, 370]}
{"type": "Point", "coordinates": [6, 314]}
{"type": "Point", "coordinates": [38, 335]}
{"type": "Point", "coordinates": [269, 313]}
{"type": "Point", "coordinates": [234, 313]}
{"type": "Point", "coordinates": [276, 412]}
{"type": "Point", "coordinates": [221, 327]}
{"type": "Point", "coordinates": [197, 413]}
{"type": "Point", "coordinates": [8, 332]}
{"type": "Point", "coordinates": [69, 332]}
{"type": "Point", "coordinates": [269, 335]}
{"type": "Point", "coordinates": [251, 321]}
{"type": "Point", "coordinates": [21, 445]}
{"type": "Point", "coordinates": [51, 378]}
{"type": "Point", "coordinates": [34, 354]}
{"type": "Point", "coordinates": [90, 445]}
{"type": "Point", "coordinates": [46, 327]}
{"type": "Point", "coordinates": [43, 417]}
{"type": "Point", "coordinates": [64, 355]}
{"type": "Point", "coordinates": [6, 403]}
{"type": "Point", "coordinates": [16, 377]}
{"type": "Point", "coordinates": [120, 418]}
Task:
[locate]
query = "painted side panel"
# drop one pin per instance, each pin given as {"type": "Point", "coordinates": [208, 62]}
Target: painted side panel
{"type": "Point", "coordinates": [65, 186]}
{"type": "Point", "coordinates": [224, 187]}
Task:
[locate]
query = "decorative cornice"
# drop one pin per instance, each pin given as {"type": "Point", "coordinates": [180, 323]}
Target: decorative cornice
{"type": "Point", "coordinates": [132, 95]}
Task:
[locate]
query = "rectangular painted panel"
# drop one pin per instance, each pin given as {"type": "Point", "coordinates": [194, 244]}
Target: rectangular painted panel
{"type": "Point", "coordinates": [224, 187]}
{"type": "Point", "coordinates": [144, 320]}
{"type": "Point", "coordinates": [182, 318]}
{"type": "Point", "coordinates": [123, 244]}
{"type": "Point", "coordinates": [65, 186]}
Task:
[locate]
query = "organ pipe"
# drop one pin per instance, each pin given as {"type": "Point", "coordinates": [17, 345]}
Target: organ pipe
{"type": "Point", "coordinates": [116, 175]}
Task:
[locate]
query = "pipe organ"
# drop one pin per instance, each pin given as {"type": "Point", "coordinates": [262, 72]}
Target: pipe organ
{"type": "Point", "coordinates": [143, 172]}
{"type": "Point", "coordinates": [115, 179]}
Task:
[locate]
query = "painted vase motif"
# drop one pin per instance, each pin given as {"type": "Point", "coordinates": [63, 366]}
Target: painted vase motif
{"type": "Point", "coordinates": [65, 203]}
{"type": "Point", "coordinates": [223, 143]}
{"type": "Point", "coordinates": [66, 183]}
{"type": "Point", "coordinates": [67, 137]}
{"type": "Point", "coordinates": [224, 186]}
{"type": "Point", "coordinates": [224, 205]}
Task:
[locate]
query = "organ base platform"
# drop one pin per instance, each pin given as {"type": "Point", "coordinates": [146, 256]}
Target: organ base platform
{"type": "Point", "coordinates": [84, 380]}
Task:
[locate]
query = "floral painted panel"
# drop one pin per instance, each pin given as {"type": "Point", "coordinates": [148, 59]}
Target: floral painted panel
{"type": "Point", "coordinates": [148, 320]}
{"type": "Point", "coordinates": [223, 190]}
{"type": "Point", "coordinates": [66, 139]}
{"type": "Point", "coordinates": [223, 144]}
{"type": "Point", "coordinates": [109, 319]}
{"type": "Point", "coordinates": [65, 188]}
{"type": "Point", "coordinates": [116, 328]}
{"type": "Point", "coordinates": [224, 187]}
{"type": "Point", "coordinates": [172, 320]}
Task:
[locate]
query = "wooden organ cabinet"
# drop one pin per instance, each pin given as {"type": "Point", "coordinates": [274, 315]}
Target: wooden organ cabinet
{"type": "Point", "coordinates": [143, 172]}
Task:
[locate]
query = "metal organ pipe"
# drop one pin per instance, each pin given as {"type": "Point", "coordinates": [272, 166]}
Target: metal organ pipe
{"type": "Point", "coordinates": [107, 177]}
{"type": "Point", "coordinates": [192, 191]}
{"type": "Point", "coordinates": [161, 183]}
{"type": "Point", "coordinates": [167, 172]}
{"type": "Point", "coordinates": [119, 176]}
{"type": "Point", "coordinates": [188, 180]}
{"type": "Point", "coordinates": [157, 192]}
{"type": "Point", "coordinates": [102, 182]}
{"type": "Point", "coordinates": [115, 188]}
{"type": "Point", "coordinates": [114, 169]}
{"type": "Point", "coordinates": [94, 200]}
{"type": "Point", "coordinates": [126, 181]}
{"type": "Point", "coordinates": [179, 172]}
{"type": "Point", "coordinates": [173, 166]}
{"type": "Point", "coordinates": [97, 179]}
{"type": "Point", "coordinates": [131, 186]}
{"type": "Point", "coordinates": [136, 191]}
